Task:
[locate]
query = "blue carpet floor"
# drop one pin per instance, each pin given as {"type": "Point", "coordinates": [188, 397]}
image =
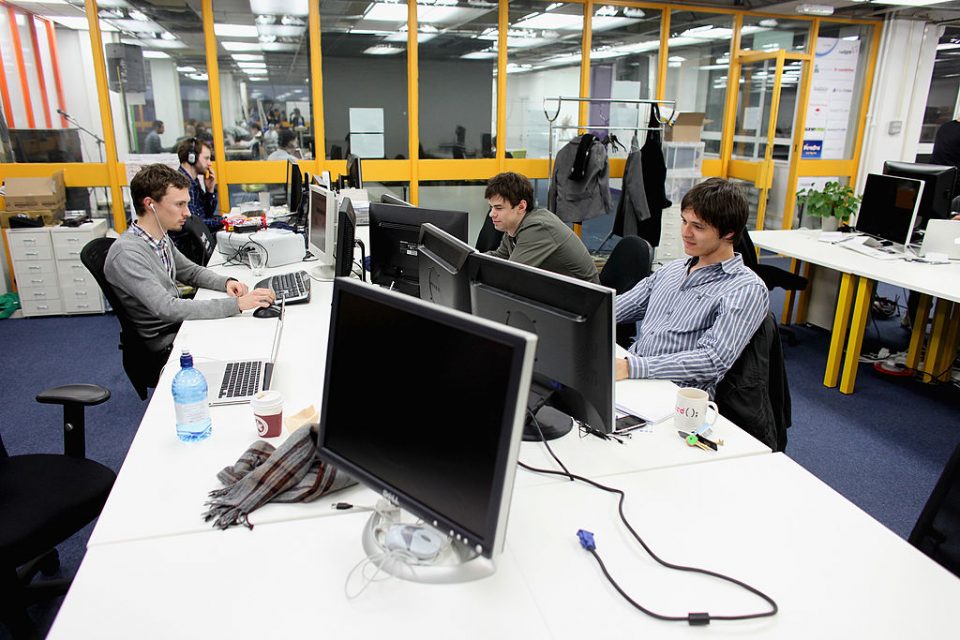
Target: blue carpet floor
{"type": "Point", "coordinates": [882, 447]}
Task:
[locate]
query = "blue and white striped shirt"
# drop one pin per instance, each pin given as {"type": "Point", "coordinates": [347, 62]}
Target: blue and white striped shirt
{"type": "Point", "coordinates": [693, 326]}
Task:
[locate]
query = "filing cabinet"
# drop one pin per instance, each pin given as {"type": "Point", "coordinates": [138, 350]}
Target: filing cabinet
{"type": "Point", "coordinates": [51, 280]}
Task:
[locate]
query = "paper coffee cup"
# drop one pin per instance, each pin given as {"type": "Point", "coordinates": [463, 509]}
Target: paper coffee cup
{"type": "Point", "coordinates": [268, 413]}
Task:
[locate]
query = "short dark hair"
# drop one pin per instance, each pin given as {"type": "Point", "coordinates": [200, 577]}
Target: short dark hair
{"type": "Point", "coordinates": [285, 137]}
{"type": "Point", "coordinates": [157, 124]}
{"type": "Point", "coordinates": [152, 181]}
{"type": "Point", "coordinates": [191, 144]}
{"type": "Point", "coordinates": [512, 187]}
{"type": "Point", "coordinates": [719, 203]}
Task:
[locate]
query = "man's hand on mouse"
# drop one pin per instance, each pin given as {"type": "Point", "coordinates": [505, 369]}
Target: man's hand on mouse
{"type": "Point", "coordinates": [256, 298]}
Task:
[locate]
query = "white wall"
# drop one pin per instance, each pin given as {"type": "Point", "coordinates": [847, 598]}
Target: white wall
{"type": "Point", "coordinates": [80, 86]}
{"type": "Point", "coordinates": [526, 123]}
{"type": "Point", "coordinates": [165, 82]}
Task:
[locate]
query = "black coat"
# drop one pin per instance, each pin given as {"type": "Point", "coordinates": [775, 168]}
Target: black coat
{"type": "Point", "coordinates": [654, 180]}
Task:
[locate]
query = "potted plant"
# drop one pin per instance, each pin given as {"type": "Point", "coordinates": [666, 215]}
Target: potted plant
{"type": "Point", "coordinates": [835, 203]}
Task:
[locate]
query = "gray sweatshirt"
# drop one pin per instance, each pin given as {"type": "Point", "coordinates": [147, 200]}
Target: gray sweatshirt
{"type": "Point", "coordinates": [149, 296]}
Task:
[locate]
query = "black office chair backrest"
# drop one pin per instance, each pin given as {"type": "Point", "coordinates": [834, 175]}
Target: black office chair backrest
{"type": "Point", "coordinates": [773, 277]}
{"type": "Point", "coordinates": [630, 262]}
{"type": "Point", "coordinates": [937, 532]}
{"type": "Point", "coordinates": [489, 238]}
{"type": "Point", "coordinates": [196, 242]}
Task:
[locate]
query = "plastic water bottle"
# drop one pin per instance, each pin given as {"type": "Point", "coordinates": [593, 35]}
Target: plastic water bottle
{"type": "Point", "coordinates": [190, 401]}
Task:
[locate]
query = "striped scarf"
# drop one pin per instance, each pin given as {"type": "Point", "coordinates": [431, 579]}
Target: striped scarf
{"type": "Point", "coordinates": [290, 473]}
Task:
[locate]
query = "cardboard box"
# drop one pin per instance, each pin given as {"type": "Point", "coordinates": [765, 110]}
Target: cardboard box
{"type": "Point", "coordinates": [50, 218]}
{"type": "Point", "coordinates": [687, 127]}
{"type": "Point", "coordinates": [34, 194]}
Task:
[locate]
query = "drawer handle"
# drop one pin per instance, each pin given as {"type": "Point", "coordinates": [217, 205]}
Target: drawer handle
{"type": "Point", "coordinates": [29, 241]}
{"type": "Point", "coordinates": [79, 279]}
{"type": "Point", "coordinates": [74, 240]}
{"type": "Point", "coordinates": [74, 253]}
{"type": "Point", "coordinates": [42, 307]}
{"type": "Point", "coordinates": [33, 253]}
{"type": "Point", "coordinates": [83, 306]}
{"type": "Point", "coordinates": [34, 267]}
{"type": "Point", "coordinates": [81, 293]}
{"type": "Point", "coordinates": [38, 281]}
{"type": "Point", "coordinates": [40, 294]}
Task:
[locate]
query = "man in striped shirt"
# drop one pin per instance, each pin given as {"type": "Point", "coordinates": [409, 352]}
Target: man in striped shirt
{"type": "Point", "coordinates": [696, 314]}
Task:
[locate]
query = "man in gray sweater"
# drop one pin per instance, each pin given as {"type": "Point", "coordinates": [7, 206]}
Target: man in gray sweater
{"type": "Point", "coordinates": [143, 266]}
{"type": "Point", "coordinates": [534, 237]}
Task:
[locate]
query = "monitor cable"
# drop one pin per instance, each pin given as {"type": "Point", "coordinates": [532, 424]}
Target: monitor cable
{"type": "Point", "coordinates": [589, 544]}
{"type": "Point", "coordinates": [363, 259]}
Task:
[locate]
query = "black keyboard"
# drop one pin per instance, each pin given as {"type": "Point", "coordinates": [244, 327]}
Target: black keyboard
{"type": "Point", "coordinates": [241, 379]}
{"type": "Point", "coordinates": [292, 287]}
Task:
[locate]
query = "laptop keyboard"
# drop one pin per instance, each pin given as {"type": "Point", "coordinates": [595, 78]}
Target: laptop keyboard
{"type": "Point", "coordinates": [241, 379]}
{"type": "Point", "coordinates": [292, 287]}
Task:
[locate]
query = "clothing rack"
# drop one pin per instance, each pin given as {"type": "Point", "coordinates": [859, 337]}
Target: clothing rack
{"type": "Point", "coordinates": [639, 126]}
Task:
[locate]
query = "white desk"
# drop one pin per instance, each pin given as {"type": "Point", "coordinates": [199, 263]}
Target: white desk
{"type": "Point", "coordinates": [834, 571]}
{"type": "Point", "coordinates": [859, 272]}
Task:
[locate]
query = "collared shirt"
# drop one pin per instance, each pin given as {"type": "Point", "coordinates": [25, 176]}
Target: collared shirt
{"type": "Point", "coordinates": [159, 248]}
{"type": "Point", "coordinates": [693, 326]}
{"type": "Point", "coordinates": [203, 205]}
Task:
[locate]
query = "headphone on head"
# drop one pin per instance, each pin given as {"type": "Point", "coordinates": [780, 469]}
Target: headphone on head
{"type": "Point", "coordinates": [192, 154]}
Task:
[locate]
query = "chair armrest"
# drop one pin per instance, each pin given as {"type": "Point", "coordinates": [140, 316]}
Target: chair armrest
{"type": "Point", "coordinates": [86, 395]}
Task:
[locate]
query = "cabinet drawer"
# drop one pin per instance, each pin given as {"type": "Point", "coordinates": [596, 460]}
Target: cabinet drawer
{"type": "Point", "coordinates": [31, 239]}
{"type": "Point", "coordinates": [41, 307]}
{"type": "Point", "coordinates": [28, 269]}
{"type": "Point", "coordinates": [73, 273]}
{"type": "Point", "coordinates": [82, 292]}
{"type": "Point", "coordinates": [50, 292]}
{"type": "Point", "coordinates": [91, 304]}
{"type": "Point", "coordinates": [37, 281]}
{"type": "Point", "coordinates": [31, 252]}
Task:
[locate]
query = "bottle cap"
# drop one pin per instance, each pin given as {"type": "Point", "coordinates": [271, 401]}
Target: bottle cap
{"type": "Point", "coordinates": [186, 360]}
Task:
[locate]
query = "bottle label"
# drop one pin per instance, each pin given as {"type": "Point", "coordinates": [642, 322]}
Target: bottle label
{"type": "Point", "coordinates": [192, 412]}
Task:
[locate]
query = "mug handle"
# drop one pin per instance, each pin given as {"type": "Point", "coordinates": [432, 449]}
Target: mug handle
{"type": "Point", "coordinates": [716, 413]}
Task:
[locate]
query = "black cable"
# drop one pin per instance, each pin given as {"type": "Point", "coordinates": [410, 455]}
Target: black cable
{"type": "Point", "coordinates": [692, 618]}
{"type": "Point", "coordinates": [536, 423]}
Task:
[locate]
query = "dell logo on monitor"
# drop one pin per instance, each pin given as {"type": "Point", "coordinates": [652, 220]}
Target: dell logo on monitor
{"type": "Point", "coordinates": [391, 498]}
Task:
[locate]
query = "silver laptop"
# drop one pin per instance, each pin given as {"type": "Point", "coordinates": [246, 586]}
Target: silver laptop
{"type": "Point", "coordinates": [237, 382]}
{"type": "Point", "coordinates": [942, 236]}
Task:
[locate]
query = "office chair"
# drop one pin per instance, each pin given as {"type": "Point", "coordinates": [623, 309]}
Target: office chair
{"type": "Point", "coordinates": [937, 532]}
{"type": "Point", "coordinates": [489, 238]}
{"type": "Point", "coordinates": [46, 498]}
{"type": "Point", "coordinates": [771, 276]}
{"type": "Point", "coordinates": [141, 365]}
{"type": "Point", "coordinates": [195, 241]}
{"type": "Point", "coordinates": [630, 262]}
{"type": "Point", "coordinates": [754, 393]}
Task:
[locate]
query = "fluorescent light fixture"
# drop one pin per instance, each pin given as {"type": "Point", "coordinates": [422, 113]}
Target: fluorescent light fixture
{"type": "Point", "coordinates": [606, 10]}
{"type": "Point", "coordinates": [51, 2]}
{"type": "Point", "coordinates": [138, 15]}
{"type": "Point", "coordinates": [676, 59]}
{"type": "Point", "coordinates": [614, 22]}
{"type": "Point", "coordinates": [559, 21]}
{"type": "Point", "coordinates": [280, 7]}
{"type": "Point", "coordinates": [255, 72]}
{"type": "Point", "coordinates": [279, 46]}
{"type": "Point", "coordinates": [769, 23]}
{"type": "Point", "coordinates": [235, 30]}
{"type": "Point", "coordinates": [383, 50]}
{"type": "Point", "coordinates": [198, 76]}
{"type": "Point", "coordinates": [138, 26]}
{"type": "Point", "coordinates": [814, 9]}
{"type": "Point", "coordinates": [241, 46]}
{"type": "Point", "coordinates": [708, 32]}
{"type": "Point", "coordinates": [402, 37]}
{"type": "Point", "coordinates": [159, 43]}
{"type": "Point", "coordinates": [252, 65]}
{"type": "Point", "coordinates": [908, 3]}
{"type": "Point", "coordinates": [257, 79]}
{"type": "Point", "coordinates": [480, 55]}
{"type": "Point", "coordinates": [945, 46]}
{"type": "Point", "coordinates": [166, 35]}
{"type": "Point", "coordinates": [674, 64]}
{"type": "Point", "coordinates": [553, 5]}
{"type": "Point", "coordinates": [280, 30]}
{"type": "Point", "coordinates": [382, 12]}
{"type": "Point", "coordinates": [79, 23]}
{"type": "Point", "coordinates": [246, 57]}
{"type": "Point", "coordinates": [156, 55]}
{"type": "Point", "coordinates": [633, 12]}
{"type": "Point", "coordinates": [187, 69]}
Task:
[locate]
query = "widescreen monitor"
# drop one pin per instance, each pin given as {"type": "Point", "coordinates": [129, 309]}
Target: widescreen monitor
{"type": "Point", "coordinates": [574, 321]}
{"type": "Point", "coordinates": [442, 434]}
{"type": "Point", "coordinates": [443, 279]}
{"type": "Point", "coordinates": [938, 188]}
{"type": "Point", "coordinates": [322, 208]}
{"type": "Point", "coordinates": [395, 238]}
{"type": "Point", "coordinates": [888, 210]}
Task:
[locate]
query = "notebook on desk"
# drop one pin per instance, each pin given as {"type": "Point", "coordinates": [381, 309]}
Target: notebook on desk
{"type": "Point", "coordinates": [238, 381]}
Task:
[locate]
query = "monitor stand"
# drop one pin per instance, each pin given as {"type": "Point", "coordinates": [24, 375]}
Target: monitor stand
{"type": "Point", "coordinates": [324, 272]}
{"type": "Point", "coordinates": [553, 423]}
{"type": "Point", "coordinates": [455, 562]}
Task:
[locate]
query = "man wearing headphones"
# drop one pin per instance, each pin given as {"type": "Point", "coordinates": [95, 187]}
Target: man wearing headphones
{"type": "Point", "coordinates": [194, 156]}
{"type": "Point", "coordinates": [143, 266]}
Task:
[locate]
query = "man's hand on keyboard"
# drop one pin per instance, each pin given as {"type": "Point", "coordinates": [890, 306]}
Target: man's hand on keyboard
{"type": "Point", "coordinates": [256, 298]}
{"type": "Point", "coordinates": [236, 288]}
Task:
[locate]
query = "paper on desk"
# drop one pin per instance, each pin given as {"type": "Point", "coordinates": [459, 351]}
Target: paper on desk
{"type": "Point", "coordinates": [652, 400]}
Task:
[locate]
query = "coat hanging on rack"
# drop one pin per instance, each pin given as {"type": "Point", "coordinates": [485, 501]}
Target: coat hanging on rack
{"type": "Point", "coordinates": [632, 208]}
{"type": "Point", "coordinates": [654, 180]}
{"type": "Point", "coordinates": [576, 200]}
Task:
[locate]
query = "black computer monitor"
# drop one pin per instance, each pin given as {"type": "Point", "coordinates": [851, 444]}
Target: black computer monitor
{"type": "Point", "coordinates": [939, 184]}
{"type": "Point", "coordinates": [346, 239]}
{"type": "Point", "coordinates": [354, 174]}
{"type": "Point", "coordinates": [294, 186]}
{"type": "Point", "coordinates": [443, 279]}
{"type": "Point", "coordinates": [389, 198]}
{"type": "Point", "coordinates": [889, 207]}
{"type": "Point", "coordinates": [395, 236]}
{"type": "Point", "coordinates": [441, 435]}
{"type": "Point", "coordinates": [574, 321]}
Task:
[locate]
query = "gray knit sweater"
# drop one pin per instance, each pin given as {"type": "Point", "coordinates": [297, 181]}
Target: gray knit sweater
{"type": "Point", "coordinates": [149, 296]}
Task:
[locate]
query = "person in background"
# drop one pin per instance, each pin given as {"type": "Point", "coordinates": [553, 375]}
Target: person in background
{"type": "Point", "coordinates": [143, 266]}
{"type": "Point", "coordinates": [287, 146]}
{"type": "Point", "coordinates": [194, 156]}
{"type": "Point", "coordinates": [533, 236]}
{"type": "Point", "coordinates": [946, 148]}
{"type": "Point", "coordinates": [696, 314]}
{"type": "Point", "coordinates": [153, 143]}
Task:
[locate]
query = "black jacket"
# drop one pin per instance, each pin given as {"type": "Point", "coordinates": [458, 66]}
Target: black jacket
{"type": "Point", "coordinates": [754, 393]}
{"type": "Point", "coordinates": [654, 181]}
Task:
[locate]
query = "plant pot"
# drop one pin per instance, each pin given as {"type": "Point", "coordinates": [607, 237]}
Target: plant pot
{"type": "Point", "coordinates": [829, 224]}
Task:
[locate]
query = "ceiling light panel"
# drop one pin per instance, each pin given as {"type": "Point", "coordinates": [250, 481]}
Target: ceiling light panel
{"type": "Point", "coordinates": [560, 21]}
{"type": "Point", "coordinates": [280, 7]}
{"type": "Point", "coordinates": [246, 57]}
{"type": "Point", "coordinates": [383, 50]}
{"type": "Point", "coordinates": [241, 46]}
{"type": "Point", "coordinates": [280, 30]}
{"type": "Point", "coordinates": [137, 26]}
{"type": "Point", "coordinates": [235, 30]}
{"type": "Point", "coordinates": [80, 23]}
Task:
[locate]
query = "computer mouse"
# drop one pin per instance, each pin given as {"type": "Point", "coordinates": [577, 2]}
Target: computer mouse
{"type": "Point", "coordinates": [267, 312]}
